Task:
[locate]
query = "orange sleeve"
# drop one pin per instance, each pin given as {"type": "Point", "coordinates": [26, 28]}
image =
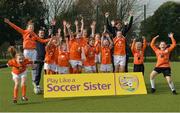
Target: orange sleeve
{"type": "Point", "coordinates": [144, 44]}
{"type": "Point", "coordinates": [173, 45]}
{"type": "Point", "coordinates": [10, 63]}
{"type": "Point", "coordinates": [133, 47]}
{"type": "Point", "coordinates": [153, 44]}
{"type": "Point", "coordinates": [115, 40]}
{"type": "Point", "coordinates": [27, 61]}
{"type": "Point", "coordinates": [16, 27]}
{"type": "Point", "coordinates": [40, 40]}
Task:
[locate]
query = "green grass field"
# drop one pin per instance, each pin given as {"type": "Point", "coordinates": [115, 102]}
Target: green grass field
{"type": "Point", "coordinates": [161, 101]}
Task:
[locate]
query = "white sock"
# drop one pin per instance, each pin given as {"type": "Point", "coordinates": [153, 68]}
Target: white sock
{"type": "Point", "coordinates": [171, 85]}
{"type": "Point", "coordinates": [152, 81]}
{"type": "Point", "coordinates": [33, 74]}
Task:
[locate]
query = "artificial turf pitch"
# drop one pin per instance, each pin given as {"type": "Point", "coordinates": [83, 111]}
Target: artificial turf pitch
{"type": "Point", "coordinates": [161, 101]}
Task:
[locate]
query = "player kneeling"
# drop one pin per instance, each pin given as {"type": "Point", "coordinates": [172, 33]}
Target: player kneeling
{"type": "Point", "coordinates": [163, 64]}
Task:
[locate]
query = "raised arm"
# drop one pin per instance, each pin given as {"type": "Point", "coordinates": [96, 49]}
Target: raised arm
{"type": "Point", "coordinates": [133, 46]}
{"type": "Point", "coordinates": [173, 45]}
{"type": "Point", "coordinates": [93, 28]}
{"type": "Point", "coordinates": [153, 43]}
{"type": "Point", "coordinates": [69, 30]}
{"type": "Point", "coordinates": [67, 43]}
{"type": "Point", "coordinates": [14, 26]}
{"type": "Point", "coordinates": [108, 25]}
{"type": "Point", "coordinates": [53, 27]}
{"type": "Point", "coordinates": [128, 25]}
{"type": "Point", "coordinates": [76, 25]}
{"type": "Point", "coordinates": [59, 32]}
{"type": "Point", "coordinates": [36, 38]}
{"type": "Point", "coordinates": [111, 42]}
{"type": "Point", "coordinates": [102, 38]}
{"type": "Point", "coordinates": [105, 29]}
{"type": "Point", "coordinates": [82, 25]}
{"type": "Point", "coordinates": [64, 28]}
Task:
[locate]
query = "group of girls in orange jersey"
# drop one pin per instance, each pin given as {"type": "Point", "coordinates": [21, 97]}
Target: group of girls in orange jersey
{"type": "Point", "coordinates": [77, 52]}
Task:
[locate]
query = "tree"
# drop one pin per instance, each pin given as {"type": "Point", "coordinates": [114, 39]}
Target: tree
{"type": "Point", "coordinates": [57, 7]}
{"type": "Point", "coordinates": [20, 12]}
{"type": "Point", "coordinates": [166, 19]}
{"type": "Point", "coordinates": [95, 9]}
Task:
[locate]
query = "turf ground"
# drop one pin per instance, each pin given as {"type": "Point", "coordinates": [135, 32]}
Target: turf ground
{"type": "Point", "coordinates": [161, 101]}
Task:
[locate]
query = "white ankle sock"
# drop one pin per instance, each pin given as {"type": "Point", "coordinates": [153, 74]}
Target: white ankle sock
{"type": "Point", "coordinates": [152, 81]}
{"type": "Point", "coordinates": [171, 85]}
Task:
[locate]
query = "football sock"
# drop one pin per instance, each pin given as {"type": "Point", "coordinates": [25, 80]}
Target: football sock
{"type": "Point", "coordinates": [152, 81]}
{"type": "Point", "coordinates": [15, 95]}
{"type": "Point", "coordinates": [171, 85]}
{"type": "Point", "coordinates": [23, 90]}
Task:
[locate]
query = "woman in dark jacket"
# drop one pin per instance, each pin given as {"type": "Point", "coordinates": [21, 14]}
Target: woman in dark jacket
{"type": "Point", "coordinates": [113, 27]}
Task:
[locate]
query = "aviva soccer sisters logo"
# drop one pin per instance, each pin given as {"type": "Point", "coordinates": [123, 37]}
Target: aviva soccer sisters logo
{"type": "Point", "coordinates": [129, 82]}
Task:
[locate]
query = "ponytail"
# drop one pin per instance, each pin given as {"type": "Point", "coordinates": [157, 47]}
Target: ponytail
{"type": "Point", "coordinates": [12, 51]}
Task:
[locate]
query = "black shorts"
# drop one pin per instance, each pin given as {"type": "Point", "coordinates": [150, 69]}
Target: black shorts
{"type": "Point", "coordinates": [139, 68]}
{"type": "Point", "coordinates": [165, 70]}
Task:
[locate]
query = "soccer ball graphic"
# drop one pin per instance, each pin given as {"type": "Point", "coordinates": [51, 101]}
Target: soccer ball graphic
{"type": "Point", "coordinates": [129, 83]}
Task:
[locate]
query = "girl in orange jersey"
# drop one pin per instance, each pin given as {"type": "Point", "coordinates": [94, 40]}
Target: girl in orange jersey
{"type": "Point", "coordinates": [97, 44]}
{"type": "Point", "coordinates": [67, 36]}
{"type": "Point", "coordinates": [19, 72]}
{"type": "Point", "coordinates": [163, 63]}
{"type": "Point", "coordinates": [29, 42]}
{"type": "Point", "coordinates": [119, 52]}
{"type": "Point", "coordinates": [76, 51]}
{"type": "Point", "coordinates": [63, 58]}
{"type": "Point", "coordinates": [106, 46]}
{"type": "Point", "coordinates": [84, 37]}
{"type": "Point", "coordinates": [83, 32]}
{"type": "Point", "coordinates": [98, 48]}
{"type": "Point", "coordinates": [58, 41]}
{"type": "Point", "coordinates": [90, 51]}
{"type": "Point", "coordinates": [138, 49]}
{"type": "Point", "coordinates": [49, 65]}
